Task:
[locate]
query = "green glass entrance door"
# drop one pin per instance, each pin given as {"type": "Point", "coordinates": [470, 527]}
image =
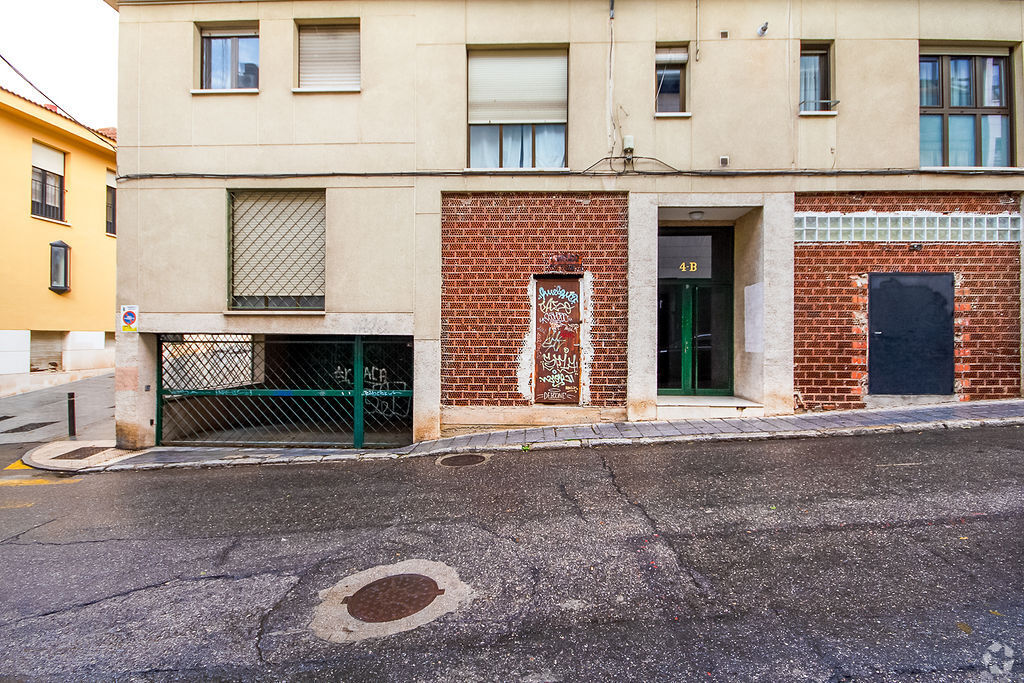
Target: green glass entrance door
{"type": "Point", "coordinates": [695, 335]}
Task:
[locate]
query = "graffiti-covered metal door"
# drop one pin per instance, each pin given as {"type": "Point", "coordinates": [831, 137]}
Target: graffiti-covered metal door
{"type": "Point", "coordinates": [282, 390]}
{"type": "Point", "coordinates": [557, 370]}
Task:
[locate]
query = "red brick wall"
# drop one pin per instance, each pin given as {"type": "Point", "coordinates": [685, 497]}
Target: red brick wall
{"type": "Point", "coordinates": [831, 306]}
{"type": "Point", "coordinates": [491, 246]}
{"type": "Point", "coordinates": [939, 202]}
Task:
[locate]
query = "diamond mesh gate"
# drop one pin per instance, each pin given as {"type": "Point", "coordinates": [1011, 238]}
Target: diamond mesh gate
{"type": "Point", "coordinates": [272, 390]}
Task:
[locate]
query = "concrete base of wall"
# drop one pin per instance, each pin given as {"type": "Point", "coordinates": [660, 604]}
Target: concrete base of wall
{"type": "Point", "coordinates": [703, 407]}
{"type": "Point", "coordinates": [896, 400]}
{"type": "Point", "coordinates": [527, 416]}
{"type": "Point", "coordinates": [11, 385]}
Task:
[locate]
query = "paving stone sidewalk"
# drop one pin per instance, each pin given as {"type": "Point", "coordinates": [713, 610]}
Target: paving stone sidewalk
{"type": "Point", "coordinates": [845, 423]}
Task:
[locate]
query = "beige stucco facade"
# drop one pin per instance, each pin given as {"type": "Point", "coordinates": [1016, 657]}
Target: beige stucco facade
{"type": "Point", "coordinates": [386, 153]}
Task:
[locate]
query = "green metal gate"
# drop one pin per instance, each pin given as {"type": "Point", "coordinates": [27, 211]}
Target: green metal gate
{"type": "Point", "coordinates": [278, 390]}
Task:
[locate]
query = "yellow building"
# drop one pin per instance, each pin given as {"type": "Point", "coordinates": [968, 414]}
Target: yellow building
{"type": "Point", "coordinates": [57, 247]}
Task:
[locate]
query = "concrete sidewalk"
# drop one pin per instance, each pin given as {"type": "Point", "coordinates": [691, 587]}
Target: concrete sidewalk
{"type": "Point", "coordinates": [100, 456]}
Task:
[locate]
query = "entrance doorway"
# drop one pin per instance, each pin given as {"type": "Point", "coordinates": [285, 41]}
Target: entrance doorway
{"type": "Point", "coordinates": [910, 318]}
{"type": "Point", "coordinates": [695, 310]}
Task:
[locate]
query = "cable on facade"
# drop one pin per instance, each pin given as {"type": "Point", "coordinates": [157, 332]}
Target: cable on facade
{"type": "Point", "coordinates": [590, 172]}
{"type": "Point", "coordinates": [50, 100]}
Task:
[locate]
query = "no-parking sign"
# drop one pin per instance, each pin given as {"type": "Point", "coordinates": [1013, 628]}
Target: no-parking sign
{"type": "Point", "coordinates": [129, 318]}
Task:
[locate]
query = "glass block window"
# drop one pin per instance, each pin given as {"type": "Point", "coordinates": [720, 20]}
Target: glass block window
{"type": "Point", "coordinates": [277, 250]}
{"type": "Point", "coordinates": [907, 227]}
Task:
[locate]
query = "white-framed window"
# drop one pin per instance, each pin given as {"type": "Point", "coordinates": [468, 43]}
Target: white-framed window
{"type": "Point", "coordinates": [518, 108]}
{"type": "Point", "coordinates": [47, 182]}
{"type": "Point", "coordinates": [329, 57]}
{"type": "Point", "coordinates": [229, 58]}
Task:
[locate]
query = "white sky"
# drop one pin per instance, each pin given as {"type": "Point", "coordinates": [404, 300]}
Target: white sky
{"type": "Point", "coordinates": [66, 47]}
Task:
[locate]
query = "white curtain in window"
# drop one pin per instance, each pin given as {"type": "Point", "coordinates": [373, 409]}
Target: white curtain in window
{"type": "Point", "coordinates": [518, 86]}
{"type": "Point", "coordinates": [516, 146]}
{"type": "Point", "coordinates": [329, 56]}
{"type": "Point", "coordinates": [810, 82]}
{"type": "Point", "coordinates": [484, 143]}
{"type": "Point", "coordinates": [47, 158]}
{"type": "Point", "coordinates": [550, 146]}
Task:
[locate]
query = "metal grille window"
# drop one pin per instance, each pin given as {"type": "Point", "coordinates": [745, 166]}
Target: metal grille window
{"type": "Point", "coordinates": [326, 391]}
{"type": "Point", "coordinates": [277, 250]}
{"type": "Point", "coordinates": [47, 182]}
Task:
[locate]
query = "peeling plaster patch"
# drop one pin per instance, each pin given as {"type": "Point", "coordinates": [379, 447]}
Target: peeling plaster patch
{"type": "Point", "coordinates": [332, 621]}
{"type": "Point", "coordinates": [524, 373]}
{"type": "Point", "coordinates": [586, 342]}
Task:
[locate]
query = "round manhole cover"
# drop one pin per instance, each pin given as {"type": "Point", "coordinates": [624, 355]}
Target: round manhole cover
{"type": "Point", "coordinates": [393, 597]}
{"type": "Point", "coordinates": [462, 460]}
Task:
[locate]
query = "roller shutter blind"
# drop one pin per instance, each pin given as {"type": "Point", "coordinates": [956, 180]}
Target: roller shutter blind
{"type": "Point", "coordinates": [47, 158]}
{"type": "Point", "coordinates": [329, 57]}
{"type": "Point", "coordinates": [46, 348]}
{"type": "Point", "coordinates": [277, 245]}
{"type": "Point", "coordinates": [518, 86]}
{"type": "Point", "coordinates": [671, 55]}
{"type": "Point", "coordinates": [965, 50]}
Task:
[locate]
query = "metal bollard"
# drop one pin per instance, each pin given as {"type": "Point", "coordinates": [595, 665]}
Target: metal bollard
{"type": "Point", "coordinates": [71, 414]}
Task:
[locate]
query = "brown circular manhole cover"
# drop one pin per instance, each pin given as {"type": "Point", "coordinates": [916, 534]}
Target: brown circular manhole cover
{"type": "Point", "coordinates": [463, 460]}
{"type": "Point", "coordinates": [393, 597]}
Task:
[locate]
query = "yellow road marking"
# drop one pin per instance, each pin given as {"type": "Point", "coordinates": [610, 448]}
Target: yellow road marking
{"type": "Point", "coordinates": [34, 482]}
{"type": "Point", "coordinates": [16, 506]}
{"type": "Point", "coordinates": [17, 465]}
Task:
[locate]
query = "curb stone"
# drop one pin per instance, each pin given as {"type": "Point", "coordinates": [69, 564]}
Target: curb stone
{"type": "Point", "coordinates": [242, 457]}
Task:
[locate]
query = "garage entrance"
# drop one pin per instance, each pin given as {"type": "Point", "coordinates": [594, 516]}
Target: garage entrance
{"type": "Point", "coordinates": [280, 390]}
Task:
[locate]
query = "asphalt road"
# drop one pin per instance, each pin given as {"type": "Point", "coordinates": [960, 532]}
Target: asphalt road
{"type": "Point", "coordinates": [896, 557]}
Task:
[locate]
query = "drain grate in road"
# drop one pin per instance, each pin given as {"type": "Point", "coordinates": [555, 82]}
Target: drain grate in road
{"type": "Point", "coordinates": [392, 598]}
{"type": "Point", "coordinates": [81, 453]}
{"type": "Point", "coordinates": [28, 427]}
{"type": "Point", "coordinates": [462, 460]}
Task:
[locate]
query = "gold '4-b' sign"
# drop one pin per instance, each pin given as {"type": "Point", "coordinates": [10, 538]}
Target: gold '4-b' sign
{"type": "Point", "coordinates": [688, 266]}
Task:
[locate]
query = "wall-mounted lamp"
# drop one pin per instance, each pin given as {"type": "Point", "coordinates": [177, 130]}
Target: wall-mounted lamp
{"type": "Point", "coordinates": [696, 215]}
{"type": "Point", "coordinates": [763, 30]}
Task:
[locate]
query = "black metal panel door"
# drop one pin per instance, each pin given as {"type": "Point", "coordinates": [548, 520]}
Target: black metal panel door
{"type": "Point", "coordinates": [910, 324]}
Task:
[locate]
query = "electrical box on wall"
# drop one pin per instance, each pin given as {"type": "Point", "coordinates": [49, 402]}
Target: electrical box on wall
{"type": "Point", "coordinates": [723, 161]}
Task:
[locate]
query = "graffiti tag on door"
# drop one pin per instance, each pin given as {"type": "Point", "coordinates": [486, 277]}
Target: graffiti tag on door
{"type": "Point", "coordinates": [557, 370]}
